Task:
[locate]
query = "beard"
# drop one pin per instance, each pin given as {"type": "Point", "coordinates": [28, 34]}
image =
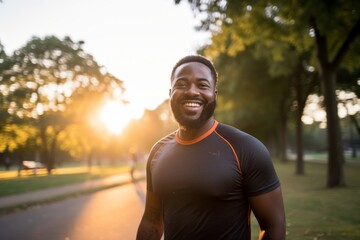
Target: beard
{"type": "Point", "coordinates": [208, 111]}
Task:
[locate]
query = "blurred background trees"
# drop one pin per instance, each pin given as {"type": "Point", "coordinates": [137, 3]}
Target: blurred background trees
{"type": "Point", "coordinates": [281, 64]}
{"type": "Point", "coordinates": [52, 97]}
{"type": "Point", "coordinates": [306, 43]}
{"type": "Point", "coordinates": [44, 86]}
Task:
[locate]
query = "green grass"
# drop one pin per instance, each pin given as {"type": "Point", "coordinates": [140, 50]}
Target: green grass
{"type": "Point", "coordinates": [10, 184]}
{"type": "Point", "coordinates": [315, 212]}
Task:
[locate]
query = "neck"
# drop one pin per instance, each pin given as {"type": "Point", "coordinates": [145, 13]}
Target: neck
{"type": "Point", "coordinates": [192, 133]}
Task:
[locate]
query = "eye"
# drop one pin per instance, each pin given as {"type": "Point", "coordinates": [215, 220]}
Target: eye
{"type": "Point", "coordinates": [180, 84]}
{"type": "Point", "coordinates": [203, 85]}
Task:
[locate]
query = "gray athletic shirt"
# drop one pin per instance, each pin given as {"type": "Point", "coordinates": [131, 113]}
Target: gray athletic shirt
{"type": "Point", "coordinates": [204, 184]}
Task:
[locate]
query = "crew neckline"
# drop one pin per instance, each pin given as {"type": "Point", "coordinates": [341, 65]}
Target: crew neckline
{"type": "Point", "coordinates": [198, 139]}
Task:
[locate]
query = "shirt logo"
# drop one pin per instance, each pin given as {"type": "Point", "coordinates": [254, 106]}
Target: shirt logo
{"type": "Point", "coordinates": [215, 154]}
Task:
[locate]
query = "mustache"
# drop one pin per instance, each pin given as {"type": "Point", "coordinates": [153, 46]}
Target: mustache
{"type": "Point", "coordinates": [192, 99]}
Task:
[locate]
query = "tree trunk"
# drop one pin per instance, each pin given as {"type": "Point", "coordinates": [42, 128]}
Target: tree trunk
{"type": "Point", "coordinates": [45, 158]}
{"type": "Point", "coordinates": [335, 173]}
{"type": "Point", "coordinates": [282, 133]}
{"type": "Point", "coordinates": [327, 71]}
{"type": "Point", "coordinates": [299, 147]}
{"type": "Point", "coordinates": [52, 154]}
{"type": "Point", "coordinates": [299, 127]}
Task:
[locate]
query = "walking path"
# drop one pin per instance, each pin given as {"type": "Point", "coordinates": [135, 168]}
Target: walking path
{"type": "Point", "coordinates": [52, 193]}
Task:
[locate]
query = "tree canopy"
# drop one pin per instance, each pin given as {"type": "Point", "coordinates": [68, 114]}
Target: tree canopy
{"type": "Point", "coordinates": [326, 31]}
{"type": "Point", "coordinates": [42, 84]}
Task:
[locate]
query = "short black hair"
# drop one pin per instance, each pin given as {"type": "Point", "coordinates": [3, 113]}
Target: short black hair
{"type": "Point", "coordinates": [196, 58]}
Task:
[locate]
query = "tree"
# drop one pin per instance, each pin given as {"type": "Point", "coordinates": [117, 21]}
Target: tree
{"type": "Point", "coordinates": [14, 136]}
{"type": "Point", "coordinates": [249, 97]}
{"type": "Point", "coordinates": [285, 76]}
{"type": "Point", "coordinates": [3, 110]}
{"type": "Point", "coordinates": [304, 24]}
{"type": "Point", "coordinates": [40, 80]}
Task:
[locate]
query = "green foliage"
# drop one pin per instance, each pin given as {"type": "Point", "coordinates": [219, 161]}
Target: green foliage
{"type": "Point", "coordinates": [13, 136]}
{"type": "Point", "coordinates": [323, 35]}
{"type": "Point", "coordinates": [349, 80]}
{"type": "Point", "coordinates": [291, 22]}
{"type": "Point", "coordinates": [41, 84]}
{"type": "Point", "coordinates": [249, 97]}
{"type": "Point", "coordinates": [44, 74]}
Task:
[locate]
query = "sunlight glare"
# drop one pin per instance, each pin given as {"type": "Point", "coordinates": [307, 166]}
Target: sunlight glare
{"type": "Point", "coordinates": [115, 116]}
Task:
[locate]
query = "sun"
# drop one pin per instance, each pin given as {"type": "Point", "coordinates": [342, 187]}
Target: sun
{"type": "Point", "coordinates": [116, 116]}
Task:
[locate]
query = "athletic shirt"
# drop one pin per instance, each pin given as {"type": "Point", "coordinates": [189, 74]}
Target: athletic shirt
{"type": "Point", "coordinates": [204, 184]}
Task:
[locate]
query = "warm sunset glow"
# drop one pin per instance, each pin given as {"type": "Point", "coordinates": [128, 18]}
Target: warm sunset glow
{"type": "Point", "coordinates": [115, 116]}
{"type": "Point", "coordinates": [141, 52]}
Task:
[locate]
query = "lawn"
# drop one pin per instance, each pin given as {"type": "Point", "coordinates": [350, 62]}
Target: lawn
{"type": "Point", "coordinates": [11, 184]}
{"type": "Point", "coordinates": [315, 212]}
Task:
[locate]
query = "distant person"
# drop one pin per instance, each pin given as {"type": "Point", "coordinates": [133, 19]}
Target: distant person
{"type": "Point", "coordinates": [133, 162]}
{"type": "Point", "coordinates": [203, 179]}
{"type": "Point", "coordinates": [7, 163]}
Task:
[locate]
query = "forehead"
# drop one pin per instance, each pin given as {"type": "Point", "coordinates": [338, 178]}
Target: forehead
{"type": "Point", "coordinates": [193, 69]}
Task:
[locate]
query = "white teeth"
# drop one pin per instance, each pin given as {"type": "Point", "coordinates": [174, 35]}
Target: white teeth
{"type": "Point", "coordinates": [192, 104]}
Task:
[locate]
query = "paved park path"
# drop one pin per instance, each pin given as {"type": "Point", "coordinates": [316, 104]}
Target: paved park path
{"type": "Point", "coordinates": [110, 214]}
{"type": "Point", "coordinates": [52, 193]}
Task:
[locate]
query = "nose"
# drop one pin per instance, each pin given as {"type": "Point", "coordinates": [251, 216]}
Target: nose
{"type": "Point", "coordinates": [192, 90]}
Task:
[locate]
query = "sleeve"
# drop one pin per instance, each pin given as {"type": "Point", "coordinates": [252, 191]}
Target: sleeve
{"type": "Point", "coordinates": [149, 186]}
{"type": "Point", "coordinates": [149, 165]}
{"type": "Point", "coordinates": [258, 170]}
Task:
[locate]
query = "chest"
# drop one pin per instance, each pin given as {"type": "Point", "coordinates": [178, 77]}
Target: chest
{"type": "Point", "coordinates": [207, 168]}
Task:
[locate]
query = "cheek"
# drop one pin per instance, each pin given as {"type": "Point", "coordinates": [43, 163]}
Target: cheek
{"type": "Point", "coordinates": [211, 96]}
{"type": "Point", "coordinates": [174, 93]}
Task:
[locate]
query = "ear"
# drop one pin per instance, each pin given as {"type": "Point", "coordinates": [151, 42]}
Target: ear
{"type": "Point", "coordinates": [169, 92]}
{"type": "Point", "coordinates": [216, 93]}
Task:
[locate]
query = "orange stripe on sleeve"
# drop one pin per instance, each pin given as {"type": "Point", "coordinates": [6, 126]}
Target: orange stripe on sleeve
{"type": "Point", "coordinates": [233, 150]}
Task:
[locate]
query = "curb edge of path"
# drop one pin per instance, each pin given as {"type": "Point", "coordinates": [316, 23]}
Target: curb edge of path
{"type": "Point", "coordinates": [80, 191]}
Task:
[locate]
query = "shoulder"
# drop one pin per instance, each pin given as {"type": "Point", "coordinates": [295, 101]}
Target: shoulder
{"type": "Point", "coordinates": [254, 158]}
{"type": "Point", "coordinates": [238, 138]}
{"type": "Point", "coordinates": [161, 143]}
{"type": "Point", "coordinates": [228, 130]}
{"type": "Point", "coordinates": [168, 138]}
{"type": "Point", "coordinates": [250, 151]}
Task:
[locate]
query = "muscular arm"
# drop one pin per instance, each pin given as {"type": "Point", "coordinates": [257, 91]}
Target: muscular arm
{"type": "Point", "coordinates": [269, 211]}
{"type": "Point", "coordinates": [151, 225]}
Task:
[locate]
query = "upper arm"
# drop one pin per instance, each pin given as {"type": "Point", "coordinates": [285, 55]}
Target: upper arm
{"type": "Point", "coordinates": [153, 208]}
{"type": "Point", "coordinates": [269, 211]}
{"type": "Point", "coordinates": [151, 225]}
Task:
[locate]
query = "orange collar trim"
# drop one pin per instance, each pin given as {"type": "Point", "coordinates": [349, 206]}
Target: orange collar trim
{"type": "Point", "coordinates": [198, 139]}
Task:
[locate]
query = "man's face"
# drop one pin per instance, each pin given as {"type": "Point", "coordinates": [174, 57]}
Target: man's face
{"type": "Point", "coordinates": [192, 94]}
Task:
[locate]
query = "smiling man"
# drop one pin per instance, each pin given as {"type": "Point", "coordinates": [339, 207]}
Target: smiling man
{"type": "Point", "coordinates": [204, 179]}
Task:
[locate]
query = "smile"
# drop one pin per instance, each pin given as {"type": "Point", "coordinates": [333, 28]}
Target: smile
{"type": "Point", "coordinates": [192, 104]}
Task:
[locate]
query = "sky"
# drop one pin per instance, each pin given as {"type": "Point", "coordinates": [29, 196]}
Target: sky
{"type": "Point", "coordinates": [138, 41]}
